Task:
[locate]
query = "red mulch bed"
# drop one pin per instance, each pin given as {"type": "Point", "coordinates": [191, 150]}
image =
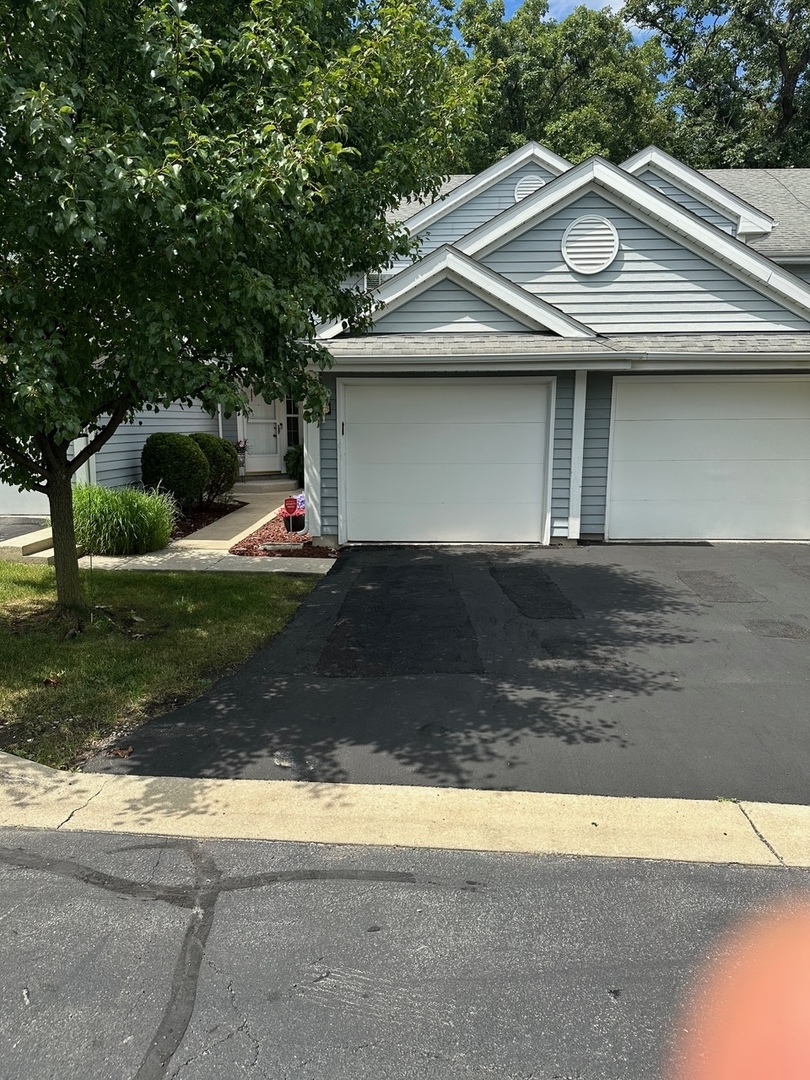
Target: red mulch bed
{"type": "Point", "coordinates": [297, 545]}
{"type": "Point", "coordinates": [196, 519]}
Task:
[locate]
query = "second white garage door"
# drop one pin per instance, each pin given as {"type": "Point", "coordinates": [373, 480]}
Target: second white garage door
{"type": "Point", "coordinates": [725, 458]}
{"type": "Point", "coordinates": [445, 460]}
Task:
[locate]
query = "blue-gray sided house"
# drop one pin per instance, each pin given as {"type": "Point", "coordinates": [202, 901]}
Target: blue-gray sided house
{"type": "Point", "coordinates": [607, 351]}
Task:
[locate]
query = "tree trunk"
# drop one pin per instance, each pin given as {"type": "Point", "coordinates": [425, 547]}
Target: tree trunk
{"type": "Point", "coordinates": [69, 596]}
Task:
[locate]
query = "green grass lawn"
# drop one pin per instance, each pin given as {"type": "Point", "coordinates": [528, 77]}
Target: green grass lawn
{"type": "Point", "coordinates": [155, 641]}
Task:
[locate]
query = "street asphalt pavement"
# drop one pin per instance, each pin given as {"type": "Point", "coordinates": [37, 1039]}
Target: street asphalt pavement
{"type": "Point", "coordinates": [629, 670]}
{"type": "Point", "coordinates": [139, 958]}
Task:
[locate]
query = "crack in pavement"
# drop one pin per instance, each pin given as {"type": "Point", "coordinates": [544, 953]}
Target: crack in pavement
{"type": "Point", "coordinates": [76, 809]}
{"type": "Point", "coordinates": [201, 899]}
{"type": "Point", "coordinates": [760, 836]}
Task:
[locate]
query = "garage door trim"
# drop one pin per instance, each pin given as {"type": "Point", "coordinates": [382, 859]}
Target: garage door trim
{"type": "Point", "coordinates": [342, 383]}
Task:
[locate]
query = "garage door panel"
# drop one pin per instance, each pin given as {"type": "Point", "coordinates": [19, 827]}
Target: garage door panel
{"type": "Point", "coordinates": [695, 440]}
{"type": "Point", "coordinates": [481, 444]}
{"type": "Point", "coordinates": [23, 503]}
{"type": "Point", "coordinates": [427, 461]}
{"type": "Point", "coordinates": [731, 463]}
{"type": "Point", "coordinates": [673, 399]}
{"type": "Point", "coordinates": [715, 520]}
{"type": "Point", "coordinates": [442, 403]}
{"type": "Point", "coordinates": [445, 483]}
{"type": "Point", "coordinates": [652, 481]}
{"type": "Point", "coordinates": [390, 522]}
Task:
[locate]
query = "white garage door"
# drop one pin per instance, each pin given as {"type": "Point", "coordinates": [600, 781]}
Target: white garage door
{"type": "Point", "coordinates": [710, 459]}
{"type": "Point", "coordinates": [436, 460]}
{"type": "Point", "coordinates": [13, 501]}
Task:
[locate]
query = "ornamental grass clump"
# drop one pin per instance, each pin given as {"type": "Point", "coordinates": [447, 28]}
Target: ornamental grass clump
{"type": "Point", "coordinates": [122, 522]}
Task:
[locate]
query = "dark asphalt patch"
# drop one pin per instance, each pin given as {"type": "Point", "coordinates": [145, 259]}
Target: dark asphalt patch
{"type": "Point", "coordinates": [802, 569]}
{"type": "Point", "coordinates": [533, 593]}
{"type": "Point", "coordinates": [402, 620]}
{"type": "Point", "coordinates": [776, 628]}
{"type": "Point", "coordinates": [717, 588]}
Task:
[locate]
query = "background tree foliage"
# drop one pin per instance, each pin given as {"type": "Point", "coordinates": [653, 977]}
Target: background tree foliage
{"type": "Point", "coordinates": [738, 76]}
{"type": "Point", "coordinates": [183, 191]}
{"type": "Point", "coordinates": [581, 86]}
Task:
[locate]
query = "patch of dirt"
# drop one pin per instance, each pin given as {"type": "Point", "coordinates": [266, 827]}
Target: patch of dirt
{"type": "Point", "coordinates": [198, 518]}
{"type": "Point", "coordinates": [296, 545]}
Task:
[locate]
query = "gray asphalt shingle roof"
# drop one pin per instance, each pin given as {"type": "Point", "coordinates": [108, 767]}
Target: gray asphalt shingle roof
{"type": "Point", "coordinates": [549, 346]}
{"type": "Point", "coordinates": [784, 194]}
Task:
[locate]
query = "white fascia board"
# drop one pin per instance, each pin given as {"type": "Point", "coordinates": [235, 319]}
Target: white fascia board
{"type": "Point", "coordinates": [750, 220]}
{"type": "Point", "coordinates": [619, 362]}
{"type": "Point", "coordinates": [446, 262]}
{"type": "Point", "coordinates": [705, 239]}
{"type": "Point", "coordinates": [531, 152]}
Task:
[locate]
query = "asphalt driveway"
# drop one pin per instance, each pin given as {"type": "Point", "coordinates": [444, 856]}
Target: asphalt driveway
{"type": "Point", "coordinates": [644, 670]}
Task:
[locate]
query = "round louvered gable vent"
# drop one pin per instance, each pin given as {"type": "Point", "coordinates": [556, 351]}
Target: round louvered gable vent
{"type": "Point", "coordinates": [528, 185]}
{"type": "Point", "coordinates": [590, 244]}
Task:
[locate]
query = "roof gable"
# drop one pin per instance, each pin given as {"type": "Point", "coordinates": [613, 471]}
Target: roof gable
{"type": "Point", "coordinates": [654, 282]}
{"type": "Point", "coordinates": [447, 264]}
{"type": "Point", "coordinates": [666, 217]}
{"type": "Point", "coordinates": [448, 307]}
{"type": "Point", "coordinates": [531, 157]}
{"type": "Point", "coordinates": [691, 186]}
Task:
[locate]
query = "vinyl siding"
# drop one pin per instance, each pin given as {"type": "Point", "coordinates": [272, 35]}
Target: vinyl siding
{"type": "Point", "coordinates": [329, 466]}
{"type": "Point", "coordinates": [561, 466]}
{"type": "Point", "coordinates": [653, 284]}
{"type": "Point", "coordinates": [479, 209]}
{"type": "Point", "coordinates": [447, 306]}
{"type": "Point", "coordinates": [802, 272]}
{"type": "Point", "coordinates": [595, 457]}
{"type": "Point", "coordinates": [229, 428]}
{"type": "Point", "coordinates": [118, 463]}
{"type": "Point", "coordinates": [689, 202]}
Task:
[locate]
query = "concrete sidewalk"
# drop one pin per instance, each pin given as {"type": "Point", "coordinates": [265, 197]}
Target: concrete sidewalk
{"type": "Point", "coordinates": [177, 559]}
{"type": "Point", "coordinates": [756, 834]}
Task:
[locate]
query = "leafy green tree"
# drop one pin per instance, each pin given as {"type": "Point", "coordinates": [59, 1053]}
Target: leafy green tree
{"type": "Point", "coordinates": [183, 191]}
{"type": "Point", "coordinates": [581, 86]}
{"type": "Point", "coordinates": [739, 77]}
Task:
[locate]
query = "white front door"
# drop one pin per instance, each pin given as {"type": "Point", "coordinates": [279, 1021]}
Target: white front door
{"type": "Point", "coordinates": [265, 431]}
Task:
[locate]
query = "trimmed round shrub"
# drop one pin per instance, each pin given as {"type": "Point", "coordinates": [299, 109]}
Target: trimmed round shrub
{"type": "Point", "coordinates": [123, 521]}
{"type": "Point", "coordinates": [223, 465]}
{"type": "Point", "coordinates": [176, 464]}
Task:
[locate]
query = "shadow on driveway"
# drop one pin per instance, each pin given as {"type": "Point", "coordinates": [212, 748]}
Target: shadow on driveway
{"type": "Point", "coordinates": [466, 668]}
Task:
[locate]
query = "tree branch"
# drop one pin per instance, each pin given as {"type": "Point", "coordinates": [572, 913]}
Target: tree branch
{"type": "Point", "coordinates": [22, 460]}
{"type": "Point", "coordinates": [106, 433]}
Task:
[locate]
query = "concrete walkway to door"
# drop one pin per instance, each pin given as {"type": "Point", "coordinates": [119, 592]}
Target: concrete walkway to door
{"type": "Point", "coordinates": [656, 671]}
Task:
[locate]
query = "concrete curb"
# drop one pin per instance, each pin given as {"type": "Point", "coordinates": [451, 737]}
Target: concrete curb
{"type": "Point", "coordinates": [759, 834]}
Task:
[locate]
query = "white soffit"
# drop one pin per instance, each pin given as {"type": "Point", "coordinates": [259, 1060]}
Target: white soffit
{"type": "Point", "coordinates": [750, 220]}
{"type": "Point", "coordinates": [706, 240]}
{"type": "Point", "coordinates": [526, 155]}
{"type": "Point", "coordinates": [447, 262]}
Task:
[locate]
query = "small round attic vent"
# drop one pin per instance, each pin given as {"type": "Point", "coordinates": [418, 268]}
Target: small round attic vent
{"type": "Point", "coordinates": [590, 244]}
{"type": "Point", "coordinates": [528, 185]}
